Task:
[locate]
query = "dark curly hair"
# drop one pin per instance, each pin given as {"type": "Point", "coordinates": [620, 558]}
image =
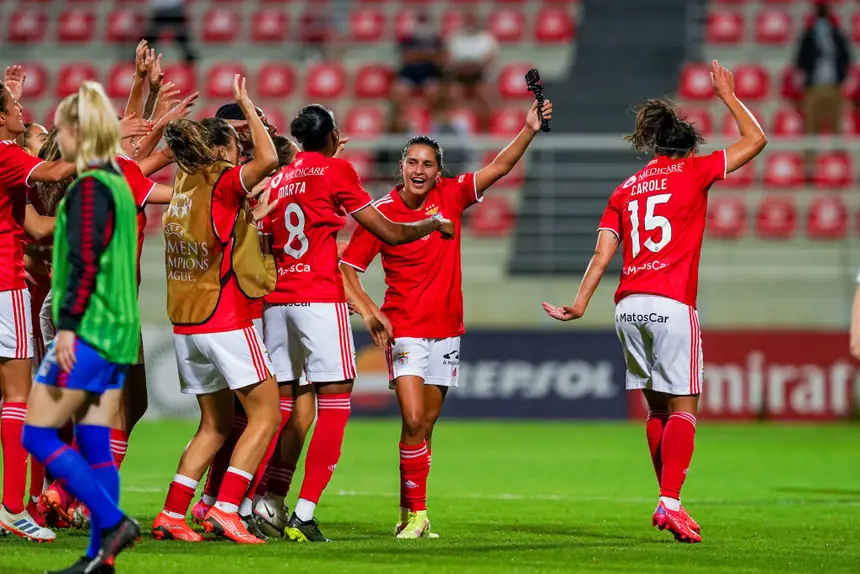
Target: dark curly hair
{"type": "Point", "coordinates": [660, 129]}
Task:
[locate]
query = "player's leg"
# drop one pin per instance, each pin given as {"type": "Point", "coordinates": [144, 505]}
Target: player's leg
{"type": "Point", "coordinates": [220, 464]}
{"type": "Point", "coordinates": [655, 424]}
{"type": "Point", "coordinates": [37, 471]}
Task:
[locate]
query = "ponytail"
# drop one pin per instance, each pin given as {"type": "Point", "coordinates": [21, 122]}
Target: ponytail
{"type": "Point", "coordinates": [660, 129]}
{"type": "Point", "coordinates": [92, 113]}
{"type": "Point", "coordinates": [189, 142]}
{"type": "Point", "coordinates": [50, 194]}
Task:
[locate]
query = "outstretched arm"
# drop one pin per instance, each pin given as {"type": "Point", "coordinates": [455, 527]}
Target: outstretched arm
{"type": "Point", "coordinates": [752, 139]}
{"type": "Point", "coordinates": [399, 233]}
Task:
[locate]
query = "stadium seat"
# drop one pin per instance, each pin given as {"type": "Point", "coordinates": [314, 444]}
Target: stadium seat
{"type": "Point", "coordinates": [366, 25]}
{"type": "Point", "coordinates": [850, 123]}
{"type": "Point", "coordinates": [125, 26]}
{"type": "Point", "coordinates": [506, 121]}
{"type": "Point", "coordinates": [787, 121]}
{"type": "Point", "coordinates": [507, 25]}
{"type": "Point", "coordinates": [219, 79]}
{"type": "Point", "coordinates": [221, 26]}
{"type": "Point", "coordinates": [773, 27]}
{"type": "Point", "coordinates": [724, 27]}
{"type": "Point", "coordinates": [695, 82]}
{"type": "Point", "coordinates": [493, 217]}
{"type": "Point", "coordinates": [466, 119]}
{"type": "Point", "coordinates": [741, 178]}
{"type": "Point", "coordinates": [727, 217]}
{"type": "Point", "coordinates": [27, 26]}
{"type": "Point", "coordinates": [554, 26]}
{"type": "Point", "coordinates": [404, 24]}
{"type": "Point", "coordinates": [701, 119]}
{"type": "Point", "coordinates": [784, 170]}
{"type": "Point", "coordinates": [373, 81]}
{"type": "Point", "coordinates": [325, 80]}
{"type": "Point", "coordinates": [729, 127]}
{"type": "Point", "coordinates": [120, 79]}
{"type": "Point", "coordinates": [70, 76]}
{"type": "Point", "coordinates": [364, 120]}
{"type": "Point", "coordinates": [511, 81]}
{"type": "Point", "coordinates": [776, 218]}
{"type": "Point", "coordinates": [834, 170]}
{"type": "Point", "coordinates": [76, 27]}
{"type": "Point", "coordinates": [183, 77]}
{"type": "Point", "coordinates": [827, 218]}
{"type": "Point", "coordinates": [269, 25]}
{"type": "Point", "coordinates": [362, 161]}
{"type": "Point", "coordinates": [275, 116]}
{"type": "Point", "coordinates": [452, 22]}
{"type": "Point", "coordinates": [418, 118]}
{"type": "Point", "coordinates": [37, 81]}
{"type": "Point", "coordinates": [752, 82]}
{"type": "Point", "coordinates": [791, 84]}
{"type": "Point", "coordinates": [275, 80]}
{"type": "Point", "coordinates": [851, 86]}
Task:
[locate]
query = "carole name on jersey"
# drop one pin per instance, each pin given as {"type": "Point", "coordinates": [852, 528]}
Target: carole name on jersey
{"type": "Point", "coordinates": [649, 186]}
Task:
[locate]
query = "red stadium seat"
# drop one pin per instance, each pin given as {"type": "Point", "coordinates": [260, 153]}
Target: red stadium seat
{"type": "Point", "coordinates": [418, 118]}
{"type": "Point", "coordinates": [695, 82]}
{"type": "Point", "coordinates": [366, 25]}
{"type": "Point", "coordinates": [727, 217]}
{"type": "Point", "coordinates": [741, 178]}
{"type": "Point", "coordinates": [507, 121]}
{"type": "Point", "coordinates": [554, 26]}
{"type": "Point", "coordinates": [270, 25]}
{"type": "Point", "coordinates": [364, 120]}
{"type": "Point", "coordinates": [37, 81]}
{"type": "Point", "coordinates": [784, 170]}
{"type": "Point", "coordinates": [120, 79]}
{"type": "Point", "coordinates": [834, 170]}
{"type": "Point", "coordinates": [275, 81]}
{"type": "Point", "coordinates": [373, 81]}
{"type": "Point", "coordinates": [466, 119]}
{"type": "Point", "coordinates": [76, 27]}
{"type": "Point", "coordinates": [493, 217]}
{"type": "Point", "coordinates": [725, 27]}
{"type": "Point", "coordinates": [183, 77]}
{"type": "Point", "coordinates": [27, 26]}
{"type": "Point", "coordinates": [452, 22]}
{"type": "Point", "coordinates": [850, 123]}
{"type": "Point", "coordinates": [776, 218]}
{"type": "Point", "coordinates": [729, 127]}
{"type": "Point", "coordinates": [362, 161]}
{"type": "Point", "coordinates": [315, 26]}
{"type": "Point", "coordinates": [275, 116]}
{"type": "Point", "coordinates": [404, 24]}
{"type": "Point", "coordinates": [788, 122]}
{"type": "Point", "coordinates": [125, 26]}
{"type": "Point", "coordinates": [325, 80]}
{"type": "Point", "coordinates": [221, 26]}
{"type": "Point", "coordinates": [791, 84]}
{"type": "Point", "coordinates": [773, 27]}
{"type": "Point", "coordinates": [827, 218]}
{"type": "Point", "coordinates": [70, 76]}
{"type": "Point", "coordinates": [701, 119]}
{"type": "Point", "coordinates": [851, 87]}
{"type": "Point", "coordinates": [219, 79]}
{"type": "Point", "coordinates": [506, 25]}
{"type": "Point", "coordinates": [512, 84]}
{"type": "Point", "coordinates": [752, 82]}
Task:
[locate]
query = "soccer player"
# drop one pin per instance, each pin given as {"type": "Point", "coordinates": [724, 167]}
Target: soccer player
{"type": "Point", "coordinates": [214, 261]}
{"type": "Point", "coordinates": [98, 325]}
{"type": "Point", "coordinates": [422, 318]}
{"type": "Point", "coordinates": [658, 215]}
{"type": "Point", "coordinates": [306, 318]}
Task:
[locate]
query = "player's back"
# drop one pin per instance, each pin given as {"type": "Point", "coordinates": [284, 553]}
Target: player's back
{"type": "Point", "coordinates": [659, 215]}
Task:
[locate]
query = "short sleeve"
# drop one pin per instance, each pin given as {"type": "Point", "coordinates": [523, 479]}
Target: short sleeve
{"type": "Point", "coordinates": [611, 219]}
{"type": "Point", "coordinates": [346, 188]}
{"type": "Point", "coordinates": [711, 168]}
{"type": "Point", "coordinates": [141, 186]}
{"type": "Point", "coordinates": [467, 190]}
{"type": "Point", "coordinates": [362, 249]}
{"type": "Point", "coordinates": [16, 165]}
{"type": "Point", "coordinates": [226, 199]}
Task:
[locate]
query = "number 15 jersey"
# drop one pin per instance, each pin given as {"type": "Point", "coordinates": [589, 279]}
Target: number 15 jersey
{"type": "Point", "coordinates": [659, 217]}
{"type": "Point", "coordinates": [314, 193]}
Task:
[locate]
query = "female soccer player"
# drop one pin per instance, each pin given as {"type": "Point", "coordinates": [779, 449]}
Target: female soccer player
{"type": "Point", "coordinates": [98, 324]}
{"type": "Point", "coordinates": [422, 318]}
{"type": "Point", "coordinates": [213, 262]}
{"type": "Point", "coordinates": [306, 319]}
{"type": "Point", "coordinates": [659, 216]}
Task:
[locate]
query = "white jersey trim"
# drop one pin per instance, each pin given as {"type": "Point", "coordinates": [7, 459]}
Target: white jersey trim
{"type": "Point", "coordinates": [148, 193]}
{"type": "Point", "coordinates": [242, 181]}
{"type": "Point", "coordinates": [479, 197]}
{"type": "Point", "coordinates": [27, 181]}
{"type": "Point", "coordinates": [615, 233]}
{"type": "Point", "coordinates": [725, 164]}
{"type": "Point", "coordinates": [353, 265]}
{"type": "Point", "coordinates": [360, 208]}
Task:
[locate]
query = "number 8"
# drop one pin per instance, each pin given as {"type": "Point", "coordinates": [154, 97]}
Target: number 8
{"type": "Point", "coordinates": [297, 231]}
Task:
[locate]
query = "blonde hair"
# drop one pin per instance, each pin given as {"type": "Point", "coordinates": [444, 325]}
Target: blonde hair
{"type": "Point", "coordinates": [92, 113]}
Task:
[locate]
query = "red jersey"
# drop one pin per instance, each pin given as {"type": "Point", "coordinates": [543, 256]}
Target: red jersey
{"type": "Point", "coordinates": [424, 298]}
{"type": "Point", "coordinates": [232, 310]}
{"type": "Point", "coordinates": [659, 216]}
{"type": "Point", "coordinates": [141, 186]}
{"type": "Point", "coordinates": [313, 193]}
{"type": "Point", "coordinates": [16, 165]}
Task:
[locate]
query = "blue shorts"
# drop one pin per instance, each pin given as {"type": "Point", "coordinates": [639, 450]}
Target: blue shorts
{"type": "Point", "coordinates": [92, 372]}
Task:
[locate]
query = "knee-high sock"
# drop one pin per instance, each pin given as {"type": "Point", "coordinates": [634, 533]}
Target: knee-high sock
{"type": "Point", "coordinates": [324, 450]}
{"type": "Point", "coordinates": [95, 444]}
{"type": "Point", "coordinates": [654, 426]}
{"type": "Point", "coordinates": [414, 469]}
{"type": "Point", "coordinates": [677, 448]}
{"type": "Point", "coordinates": [12, 418]}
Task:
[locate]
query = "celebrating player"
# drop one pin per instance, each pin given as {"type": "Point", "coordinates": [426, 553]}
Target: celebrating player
{"type": "Point", "coordinates": [98, 324]}
{"type": "Point", "coordinates": [422, 318]}
{"type": "Point", "coordinates": [213, 262]}
{"type": "Point", "coordinates": [659, 216]}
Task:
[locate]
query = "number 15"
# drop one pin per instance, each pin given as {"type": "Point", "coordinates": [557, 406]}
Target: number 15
{"type": "Point", "coordinates": [652, 222]}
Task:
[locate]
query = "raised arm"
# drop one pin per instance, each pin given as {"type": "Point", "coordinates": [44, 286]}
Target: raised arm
{"type": "Point", "coordinates": [265, 155]}
{"type": "Point", "coordinates": [156, 78]}
{"type": "Point", "coordinates": [607, 244]}
{"type": "Point", "coordinates": [376, 322]}
{"type": "Point", "coordinates": [168, 108]}
{"type": "Point", "coordinates": [399, 233]}
{"type": "Point", "coordinates": [855, 325]}
{"type": "Point", "coordinates": [503, 163]}
{"type": "Point", "coordinates": [752, 139]}
{"type": "Point", "coordinates": [141, 70]}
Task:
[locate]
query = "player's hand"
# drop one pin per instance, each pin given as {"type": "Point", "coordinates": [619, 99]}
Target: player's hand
{"type": "Point", "coordinates": [722, 81]}
{"type": "Point", "coordinates": [133, 127]}
{"type": "Point", "coordinates": [155, 73]}
{"type": "Point", "coordinates": [265, 204]}
{"type": "Point", "coordinates": [14, 79]}
{"type": "Point", "coordinates": [341, 143]}
{"type": "Point", "coordinates": [563, 313]}
{"type": "Point", "coordinates": [533, 119]}
{"type": "Point", "coordinates": [240, 94]}
{"type": "Point", "coordinates": [181, 109]}
{"type": "Point", "coordinates": [380, 329]}
{"type": "Point", "coordinates": [64, 350]}
{"type": "Point", "coordinates": [141, 62]}
{"type": "Point", "coordinates": [445, 228]}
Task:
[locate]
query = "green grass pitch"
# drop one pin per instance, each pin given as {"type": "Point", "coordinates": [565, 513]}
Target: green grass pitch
{"type": "Point", "coordinates": [530, 497]}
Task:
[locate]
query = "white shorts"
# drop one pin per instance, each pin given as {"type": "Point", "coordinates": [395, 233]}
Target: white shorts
{"type": "Point", "coordinates": [46, 320]}
{"type": "Point", "coordinates": [314, 337]}
{"type": "Point", "coordinates": [662, 344]}
{"type": "Point", "coordinates": [209, 362]}
{"type": "Point", "coordinates": [16, 325]}
{"type": "Point", "coordinates": [437, 361]}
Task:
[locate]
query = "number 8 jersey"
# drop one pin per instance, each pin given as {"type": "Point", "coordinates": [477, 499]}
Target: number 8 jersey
{"type": "Point", "coordinates": [314, 193]}
{"type": "Point", "coordinates": [659, 216]}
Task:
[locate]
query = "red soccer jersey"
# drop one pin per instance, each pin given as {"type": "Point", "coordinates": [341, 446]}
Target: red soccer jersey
{"type": "Point", "coordinates": [313, 193]}
{"type": "Point", "coordinates": [232, 311]}
{"type": "Point", "coordinates": [424, 298]}
{"type": "Point", "coordinates": [659, 216]}
{"type": "Point", "coordinates": [141, 186]}
{"type": "Point", "coordinates": [16, 165]}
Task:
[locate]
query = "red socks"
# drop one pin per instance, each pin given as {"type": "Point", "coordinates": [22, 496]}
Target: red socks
{"type": "Point", "coordinates": [654, 433]}
{"type": "Point", "coordinates": [14, 456]}
{"type": "Point", "coordinates": [677, 451]}
{"type": "Point", "coordinates": [233, 489]}
{"type": "Point", "coordinates": [222, 458]}
{"type": "Point", "coordinates": [179, 496]}
{"type": "Point", "coordinates": [37, 478]}
{"type": "Point", "coordinates": [414, 469]}
{"type": "Point", "coordinates": [324, 450]}
{"type": "Point", "coordinates": [286, 409]}
{"type": "Point", "coordinates": [118, 445]}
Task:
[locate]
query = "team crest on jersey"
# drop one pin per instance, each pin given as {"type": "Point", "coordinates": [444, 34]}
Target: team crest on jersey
{"type": "Point", "coordinates": [298, 162]}
{"type": "Point", "coordinates": [630, 181]}
{"type": "Point", "coordinates": [402, 358]}
{"type": "Point", "coordinates": [432, 210]}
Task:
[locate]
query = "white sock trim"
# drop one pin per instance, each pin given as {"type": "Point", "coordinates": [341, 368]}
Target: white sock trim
{"type": "Point", "coordinates": [305, 509]}
{"type": "Point", "coordinates": [672, 504]}
{"type": "Point", "coordinates": [246, 507]}
{"type": "Point", "coordinates": [240, 472]}
{"type": "Point", "coordinates": [209, 500]}
{"type": "Point", "coordinates": [185, 481]}
{"type": "Point", "coordinates": [226, 507]}
{"type": "Point", "coordinates": [173, 515]}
